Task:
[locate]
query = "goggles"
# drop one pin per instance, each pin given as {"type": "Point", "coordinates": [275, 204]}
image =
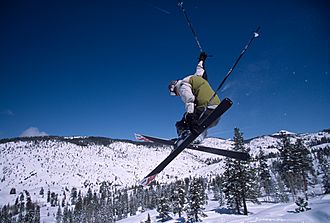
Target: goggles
{"type": "Point", "coordinates": [171, 88]}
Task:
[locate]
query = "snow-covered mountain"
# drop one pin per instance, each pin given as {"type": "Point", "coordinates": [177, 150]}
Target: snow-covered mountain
{"type": "Point", "coordinates": [81, 162]}
{"type": "Point", "coordinates": [270, 143]}
{"type": "Point", "coordinates": [29, 163]}
{"type": "Point", "coordinates": [61, 163]}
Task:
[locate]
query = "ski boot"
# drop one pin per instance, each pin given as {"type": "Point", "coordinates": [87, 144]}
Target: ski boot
{"type": "Point", "coordinates": [183, 135]}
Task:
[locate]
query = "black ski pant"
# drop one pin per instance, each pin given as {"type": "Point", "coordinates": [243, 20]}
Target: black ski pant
{"type": "Point", "coordinates": [200, 113]}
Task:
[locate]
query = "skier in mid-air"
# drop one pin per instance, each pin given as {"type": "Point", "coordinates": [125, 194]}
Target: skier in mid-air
{"type": "Point", "coordinates": [199, 100]}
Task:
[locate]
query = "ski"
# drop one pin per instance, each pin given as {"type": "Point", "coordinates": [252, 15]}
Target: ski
{"type": "Point", "coordinates": [221, 152]}
{"type": "Point", "coordinates": [220, 109]}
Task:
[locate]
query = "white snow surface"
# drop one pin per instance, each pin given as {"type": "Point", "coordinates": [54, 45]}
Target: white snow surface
{"type": "Point", "coordinates": [265, 213]}
{"type": "Point", "coordinates": [59, 165]}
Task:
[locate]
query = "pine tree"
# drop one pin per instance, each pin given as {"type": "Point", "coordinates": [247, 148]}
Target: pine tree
{"type": "Point", "coordinates": [163, 205]}
{"type": "Point", "coordinates": [37, 214]}
{"type": "Point", "coordinates": [133, 208]}
{"type": "Point", "coordinates": [196, 200]}
{"type": "Point", "coordinates": [88, 206]}
{"type": "Point", "coordinates": [65, 218]}
{"type": "Point", "coordinates": [239, 178]}
{"type": "Point", "coordinates": [152, 198]}
{"type": "Point", "coordinates": [287, 167]}
{"type": "Point", "coordinates": [106, 211]}
{"type": "Point", "coordinates": [59, 215]}
{"type": "Point", "coordinates": [29, 216]}
{"type": "Point", "coordinates": [232, 187]}
{"type": "Point", "coordinates": [148, 219]}
{"type": "Point", "coordinates": [141, 197]}
{"type": "Point", "coordinates": [53, 199]}
{"type": "Point", "coordinates": [322, 157]}
{"type": "Point", "coordinates": [326, 182]}
{"type": "Point", "coordinates": [178, 198]}
{"type": "Point", "coordinates": [64, 199]}
{"type": "Point", "coordinates": [16, 207]}
{"type": "Point", "coordinates": [217, 189]}
{"type": "Point", "coordinates": [20, 217]}
{"type": "Point", "coordinates": [21, 208]}
{"type": "Point", "coordinates": [304, 164]}
{"type": "Point", "coordinates": [73, 195]}
{"type": "Point", "coordinates": [279, 194]}
{"type": "Point", "coordinates": [116, 205]}
{"type": "Point", "coordinates": [41, 192]}
{"type": "Point", "coordinates": [264, 177]}
{"type": "Point", "coordinates": [4, 214]}
{"type": "Point", "coordinates": [295, 165]}
{"type": "Point", "coordinates": [48, 196]}
{"type": "Point", "coordinates": [125, 203]}
{"type": "Point", "coordinates": [251, 183]}
{"type": "Point", "coordinates": [78, 209]}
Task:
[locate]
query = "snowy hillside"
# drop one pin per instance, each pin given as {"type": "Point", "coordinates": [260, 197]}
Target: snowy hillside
{"type": "Point", "coordinates": [55, 162]}
{"type": "Point", "coordinates": [29, 163]}
{"type": "Point", "coordinates": [61, 163]}
{"type": "Point", "coordinates": [269, 144]}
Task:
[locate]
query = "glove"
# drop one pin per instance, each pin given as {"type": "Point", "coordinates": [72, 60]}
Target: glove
{"type": "Point", "coordinates": [202, 56]}
{"type": "Point", "coordinates": [192, 123]}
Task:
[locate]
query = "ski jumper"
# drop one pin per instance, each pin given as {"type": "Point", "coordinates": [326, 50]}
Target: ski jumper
{"type": "Point", "coordinates": [196, 92]}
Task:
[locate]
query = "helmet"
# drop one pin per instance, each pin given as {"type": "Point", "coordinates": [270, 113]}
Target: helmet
{"type": "Point", "coordinates": [171, 87]}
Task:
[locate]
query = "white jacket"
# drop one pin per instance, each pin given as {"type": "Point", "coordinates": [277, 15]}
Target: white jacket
{"type": "Point", "coordinates": [185, 89]}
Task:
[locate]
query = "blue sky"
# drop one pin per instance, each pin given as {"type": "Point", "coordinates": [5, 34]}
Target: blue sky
{"type": "Point", "coordinates": [101, 68]}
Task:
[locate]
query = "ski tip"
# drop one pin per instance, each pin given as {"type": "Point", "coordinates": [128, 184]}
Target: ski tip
{"type": "Point", "coordinates": [147, 180]}
{"type": "Point", "coordinates": [141, 138]}
{"type": "Point", "coordinates": [227, 101]}
{"type": "Point", "coordinates": [137, 136]}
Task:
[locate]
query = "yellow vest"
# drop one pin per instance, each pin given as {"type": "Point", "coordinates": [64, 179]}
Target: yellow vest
{"type": "Point", "coordinates": [203, 92]}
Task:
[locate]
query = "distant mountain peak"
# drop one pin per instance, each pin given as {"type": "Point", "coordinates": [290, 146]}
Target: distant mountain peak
{"type": "Point", "coordinates": [283, 132]}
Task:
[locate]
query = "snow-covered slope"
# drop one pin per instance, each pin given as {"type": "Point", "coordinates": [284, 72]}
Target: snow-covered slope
{"type": "Point", "coordinates": [55, 162]}
{"type": "Point", "coordinates": [59, 162]}
{"type": "Point", "coordinates": [265, 213]}
{"type": "Point", "coordinates": [271, 143]}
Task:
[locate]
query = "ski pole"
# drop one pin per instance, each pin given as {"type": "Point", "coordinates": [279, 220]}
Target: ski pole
{"type": "Point", "coordinates": [255, 35]}
{"type": "Point", "coordinates": [180, 4]}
